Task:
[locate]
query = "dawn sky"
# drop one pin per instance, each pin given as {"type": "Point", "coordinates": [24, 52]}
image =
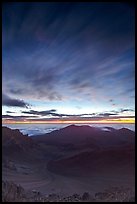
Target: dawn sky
{"type": "Point", "coordinates": [68, 62]}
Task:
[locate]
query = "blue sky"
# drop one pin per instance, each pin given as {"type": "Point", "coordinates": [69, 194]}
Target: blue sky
{"type": "Point", "coordinates": [74, 58]}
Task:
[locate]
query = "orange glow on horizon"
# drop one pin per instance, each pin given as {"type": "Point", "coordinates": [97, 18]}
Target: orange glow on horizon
{"type": "Point", "coordinates": [107, 121]}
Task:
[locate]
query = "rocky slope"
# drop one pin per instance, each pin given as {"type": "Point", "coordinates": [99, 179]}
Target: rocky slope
{"type": "Point", "coordinates": [15, 193]}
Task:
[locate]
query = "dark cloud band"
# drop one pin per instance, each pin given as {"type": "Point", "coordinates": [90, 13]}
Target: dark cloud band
{"type": "Point", "coordinates": [8, 101]}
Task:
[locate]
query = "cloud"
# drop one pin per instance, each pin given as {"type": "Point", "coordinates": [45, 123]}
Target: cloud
{"type": "Point", "coordinates": [8, 101]}
{"type": "Point", "coordinates": [107, 114]}
{"type": "Point", "coordinates": [68, 53]}
{"type": "Point", "coordinates": [125, 110]}
{"type": "Point", "coordinates": [41, 113]}
{"type": "Point", "coordinates": [78, 118]}
{"type": "Point", "coordinates": [56, 54]}
{"type": "Point", "coordinates": [19, 117]}
{"type": "Point", "coordinates": [53, 113]}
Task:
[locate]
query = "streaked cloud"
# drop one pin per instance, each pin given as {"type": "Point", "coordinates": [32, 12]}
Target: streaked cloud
{"type": "Point", "coordinates": [52, 115]}
{"type": "Point", "coordinates": [68, 53]}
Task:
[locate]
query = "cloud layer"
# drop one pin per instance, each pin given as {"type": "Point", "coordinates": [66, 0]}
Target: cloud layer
{"type": "Point", "coordinates": [52, 115]}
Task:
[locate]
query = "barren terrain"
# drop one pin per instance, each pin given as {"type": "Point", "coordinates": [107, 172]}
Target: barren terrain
{"type": "Point", "coordinates": [70, 161]}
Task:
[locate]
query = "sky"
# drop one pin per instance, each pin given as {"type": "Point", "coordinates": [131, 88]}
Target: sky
{"type": "Point", "coordinates": [68, 62]}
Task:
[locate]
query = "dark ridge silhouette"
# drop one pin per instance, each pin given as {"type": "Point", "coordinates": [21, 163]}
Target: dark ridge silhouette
{"type": "Point", "coordinates": [127, 131]}
{"type": "Point", "coordinates": [85, 134]}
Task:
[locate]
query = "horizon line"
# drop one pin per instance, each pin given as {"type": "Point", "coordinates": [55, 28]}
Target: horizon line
{"type": "Point", "coordinates": [72, 122]}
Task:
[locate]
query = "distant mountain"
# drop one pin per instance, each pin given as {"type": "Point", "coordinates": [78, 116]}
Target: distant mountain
{"type": "Point", "coordinates": [99, 150]}
{"type": "Point", "coordinates": [85, 134]}
{"type": "Point", "coordinates": [80, 147]}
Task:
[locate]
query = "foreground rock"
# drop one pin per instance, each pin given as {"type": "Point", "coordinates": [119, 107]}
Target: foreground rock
{"type": "Point", "coordinates": [15, 193]}
{"type": "Point", "coordinates": [11, 192]}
